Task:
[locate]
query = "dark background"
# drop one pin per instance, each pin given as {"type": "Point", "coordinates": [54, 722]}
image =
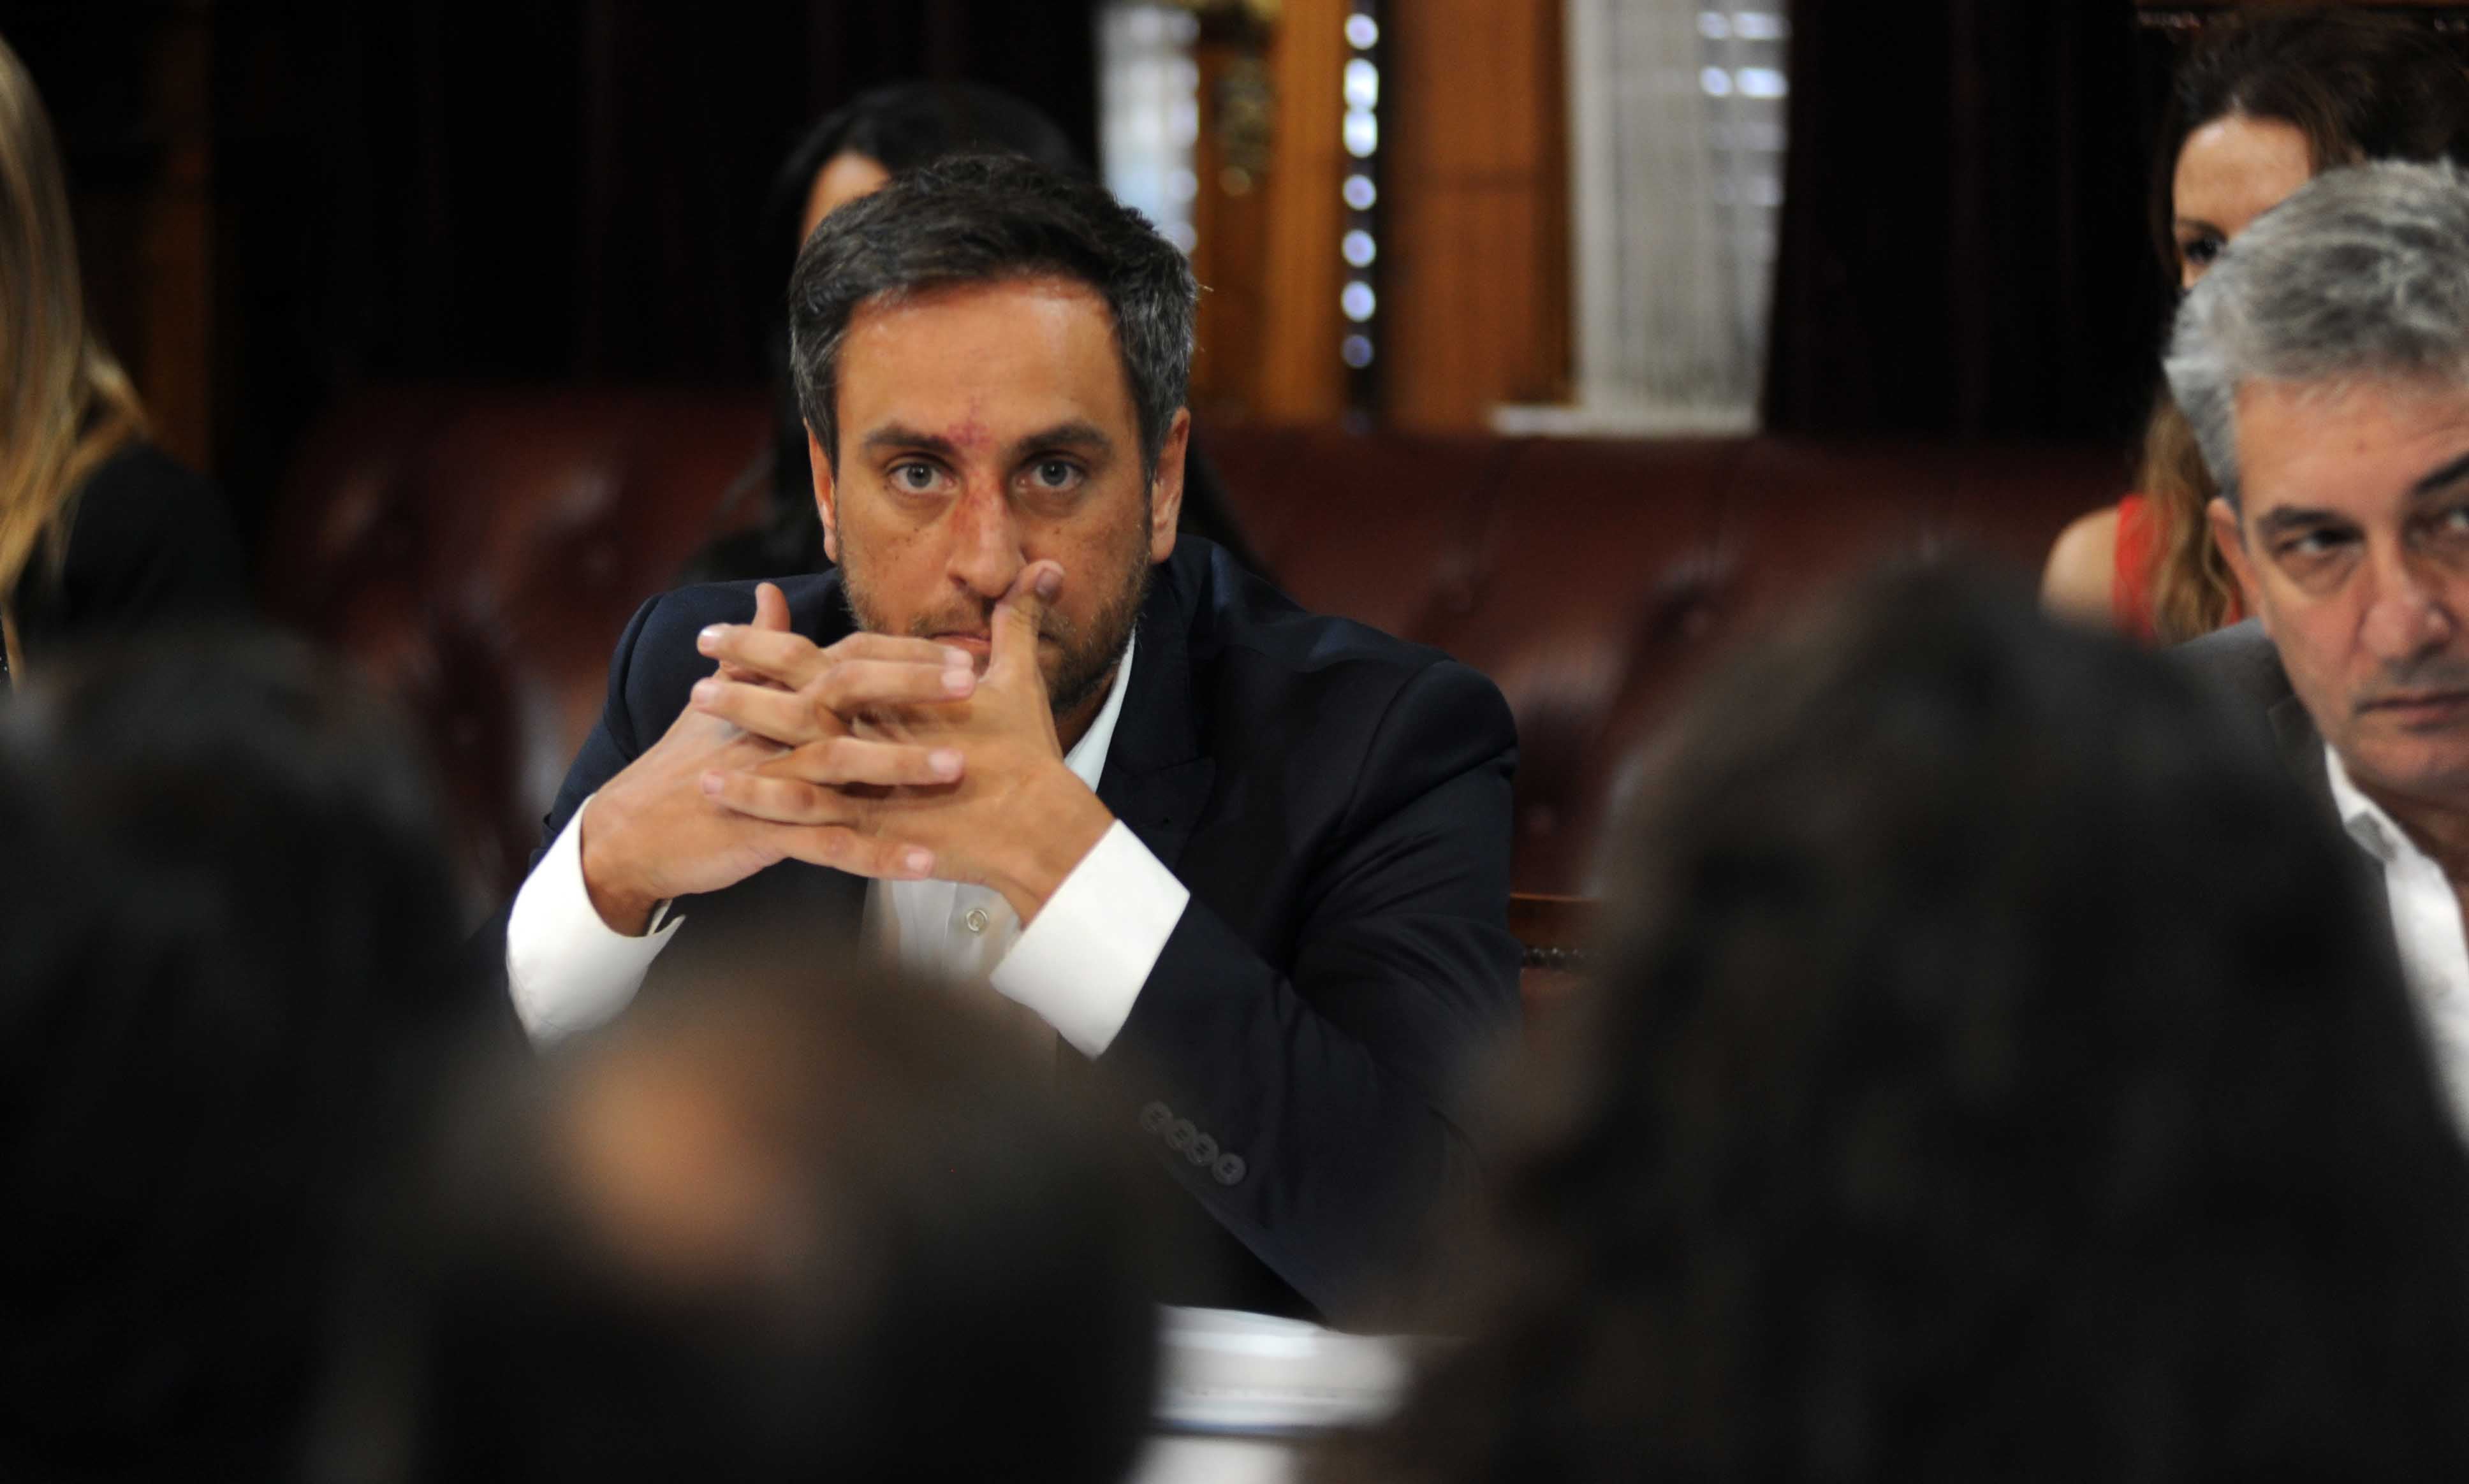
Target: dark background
{"type": "Point", "coordinates": [561, 190]}
{"type": "Point", "coordinates": [1964, 252]}
{"type": "Point", "coordinates": [519, 190]}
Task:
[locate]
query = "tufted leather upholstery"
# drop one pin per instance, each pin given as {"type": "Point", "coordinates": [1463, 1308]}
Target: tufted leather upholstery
{"type": "Point", "coordinates": [1593, 580]}
{"type": "Point", "coordinates": [479, 549]}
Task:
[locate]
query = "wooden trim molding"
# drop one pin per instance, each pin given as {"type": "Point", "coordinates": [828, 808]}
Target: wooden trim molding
{"type": "Point", "coordinates": [1553, 932]}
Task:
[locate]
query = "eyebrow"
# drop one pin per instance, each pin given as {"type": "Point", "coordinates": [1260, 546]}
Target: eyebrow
{"type": "Point", "coordinates": [2441, 479]}
{"type": "Point", "coordinates": [2290, 517]}
{"type": "Point", "coordinates": [2287, 517]}
{"type": "Point", "coordinates": [895, 435]}
{"type": "Point", "coordinates": [1075, 434]}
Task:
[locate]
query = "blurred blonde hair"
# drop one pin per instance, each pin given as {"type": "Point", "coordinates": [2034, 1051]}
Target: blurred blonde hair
{"type": "Point", "coordinates": [66, 403]}
{"type": "Point", "coordinates": [2192, 589]}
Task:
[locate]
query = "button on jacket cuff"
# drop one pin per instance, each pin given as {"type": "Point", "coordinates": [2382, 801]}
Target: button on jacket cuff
{"type": "Point", "coordinates": [1081, 962]}
{"type": "Point", "coordinates": [567, 969]}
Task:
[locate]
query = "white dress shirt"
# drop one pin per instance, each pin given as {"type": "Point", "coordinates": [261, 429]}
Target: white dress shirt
{"type": "Point", "coordinates": [1080, 965]}
{"type": "Point", "coordinates": [2426, 920]}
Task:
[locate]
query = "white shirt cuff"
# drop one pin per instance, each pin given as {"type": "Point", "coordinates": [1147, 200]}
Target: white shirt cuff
{"type": "Point", "coordinates": [567, 969]}
{"type": "Point", "coordinates": [1081, 962]}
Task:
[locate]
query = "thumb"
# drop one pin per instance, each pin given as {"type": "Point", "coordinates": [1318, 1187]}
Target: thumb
{"type": "Point", "coordinates": [1020, 612]}
{"type": "Point", "coordinates": [771, 607]}
{"type": "Point", "coordinates": [772, 612]}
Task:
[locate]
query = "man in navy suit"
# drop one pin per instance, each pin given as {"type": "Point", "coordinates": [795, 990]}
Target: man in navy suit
{"type": "Point", "coordinates": [1252, 861]}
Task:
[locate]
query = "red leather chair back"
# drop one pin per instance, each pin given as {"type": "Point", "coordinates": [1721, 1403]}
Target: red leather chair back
{"type": "Point", "coordinates": [479, 551]}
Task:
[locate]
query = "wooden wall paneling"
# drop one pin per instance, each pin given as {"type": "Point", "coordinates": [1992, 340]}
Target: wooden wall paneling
{"type": "Point", "coordinates": [1299, 377]}
{"type": "Point", "coordinates": [1233, 162]}
{"type": "Point", "coordinates": [173, 354]}
{"type": "Point", "coordinates": [1475, 264]}
{"type": "Point", "coordinates": [129, 91]}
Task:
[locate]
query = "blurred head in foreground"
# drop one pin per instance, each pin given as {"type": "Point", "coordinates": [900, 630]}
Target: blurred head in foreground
{"type": "Point", "coordinates": [763, 1233]}
{"type": "Point", "coordinates": [223, 977]}
{"type": "Point", "coordinates": [1997, 1075]}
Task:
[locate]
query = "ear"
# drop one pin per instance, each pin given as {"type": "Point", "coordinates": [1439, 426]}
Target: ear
{"type": "Point", "coordinates": [827, 497]}
{"type": "Point", "coordinates": [2229, 536]}
{"type": "Point", "coordinates": [1166, 494]}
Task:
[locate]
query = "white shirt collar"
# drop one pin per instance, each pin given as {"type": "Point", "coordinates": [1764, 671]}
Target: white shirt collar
{"type": "Point", "coordinates": [2375, 830]}
{"type": "Point", "coordinates": [1087, 758]}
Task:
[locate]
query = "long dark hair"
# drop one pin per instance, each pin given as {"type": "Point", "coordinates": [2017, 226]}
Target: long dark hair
{"type": "Point", "coordinates": [2358, 87]}
{"type": "Point", "coordinates": [2000, 1074]}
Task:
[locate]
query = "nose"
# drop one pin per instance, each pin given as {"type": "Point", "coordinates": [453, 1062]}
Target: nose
{"type": "Point", "coordinates": [985, 541]}
{"type": "Point", "coordinates": [2411, 612]}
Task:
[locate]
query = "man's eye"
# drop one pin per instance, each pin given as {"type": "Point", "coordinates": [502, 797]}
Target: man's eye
{"type": "Point", "coordinates": [916, 478]}
{"type": "Point", "coordinates": [2310, 545]}
{"type": "Point", "coordinates": [1055, 473]}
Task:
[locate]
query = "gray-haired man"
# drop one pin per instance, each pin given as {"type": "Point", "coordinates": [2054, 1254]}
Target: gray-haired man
{"type": "Point", "coordinates": [2324, 364]}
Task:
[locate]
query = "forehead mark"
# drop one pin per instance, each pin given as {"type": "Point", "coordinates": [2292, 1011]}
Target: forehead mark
{"type": "Point", "coordinates": [971, 430]}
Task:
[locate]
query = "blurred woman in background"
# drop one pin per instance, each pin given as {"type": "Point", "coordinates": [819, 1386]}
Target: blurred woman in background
{"type": "Point", "coordinates": [848, 154]}
{"type": "Point", "coordinates": [100, 534]}
{"type": "Point", "coordinates": [2261, 106]}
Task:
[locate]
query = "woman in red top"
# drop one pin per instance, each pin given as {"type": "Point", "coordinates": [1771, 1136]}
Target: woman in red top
{"type": "Point", "coordinates": [2260, 107]}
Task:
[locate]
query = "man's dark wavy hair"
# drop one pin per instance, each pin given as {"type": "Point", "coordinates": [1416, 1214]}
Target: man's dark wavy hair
{"type": "Point", "coordinates": [982, 219]}
{"type": "Point", "coordinates": [1999, 1073]}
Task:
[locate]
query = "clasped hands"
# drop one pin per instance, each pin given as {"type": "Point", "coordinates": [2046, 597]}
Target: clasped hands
{"type": "Point", "coordinates": [881, 756]}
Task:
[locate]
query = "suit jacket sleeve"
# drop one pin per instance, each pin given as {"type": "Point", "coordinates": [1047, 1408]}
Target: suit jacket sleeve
{"type": "Point", "coordinates": [1336, 1088]}
{"type": "Point", "coordinates": [614, 741]}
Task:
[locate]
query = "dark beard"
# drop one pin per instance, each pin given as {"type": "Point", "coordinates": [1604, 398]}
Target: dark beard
{"type": "Point", "coordinates": [1085, 673]}
{"type": "Point", "coordinates": [1088, 660]}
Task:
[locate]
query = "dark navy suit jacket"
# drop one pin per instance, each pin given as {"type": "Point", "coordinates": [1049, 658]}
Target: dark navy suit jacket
{"type": "Point", "coordinates": [1337, 802]}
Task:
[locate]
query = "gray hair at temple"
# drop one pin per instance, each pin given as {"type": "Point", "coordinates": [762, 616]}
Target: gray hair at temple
{"type": "Point", "coordinates": [2362, 275]}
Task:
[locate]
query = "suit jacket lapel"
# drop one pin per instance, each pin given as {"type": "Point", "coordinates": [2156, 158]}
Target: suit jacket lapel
{"type": "Point", "coordinates": [1158, 776]}
{"type": "Point", "coordinates": [2302, 751]}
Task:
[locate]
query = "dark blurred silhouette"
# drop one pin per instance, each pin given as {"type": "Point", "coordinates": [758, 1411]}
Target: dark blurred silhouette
{"type": "Point", "coordinates": [1997, 1075]}
{"type": "Point", "coordinates": [766, 1233]}
{"type": "Point", "coordinates": [224, 1000]}
{"type": "Point", "coordinates": [850, 152]}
